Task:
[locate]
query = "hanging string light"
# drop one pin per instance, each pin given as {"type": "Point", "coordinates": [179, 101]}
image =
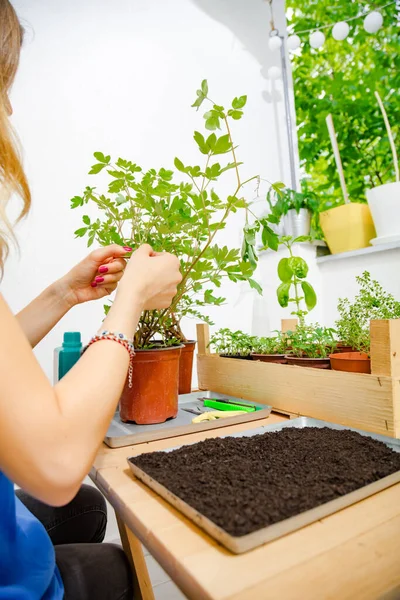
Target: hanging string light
{"type": "Point", "coordinates": [373, 21]}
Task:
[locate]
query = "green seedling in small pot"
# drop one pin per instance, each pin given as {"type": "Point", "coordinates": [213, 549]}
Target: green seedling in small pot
{"type": "Point", "coordinates": [270, 349]}
{"type": "Point", "coordinates": [311, 346]}
{"type": "Point", "coordinates": [232, 344]}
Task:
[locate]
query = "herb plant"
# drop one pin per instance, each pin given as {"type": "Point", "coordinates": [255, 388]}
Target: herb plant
{"type": "Point", "coordinates": [270, 345]}
{"type": "Point", "coordinates": [371, 302]}
{"type": "Point", "coordinates": [292, 272]}
{"type": "Point", "coordinates": [182, 217]}
{"type": "Point", "coordinates": [312, 341]}
{"type": "Point", "coordinates": [232, 343]}
{"type": "Point", "coordinates": [281, 200]}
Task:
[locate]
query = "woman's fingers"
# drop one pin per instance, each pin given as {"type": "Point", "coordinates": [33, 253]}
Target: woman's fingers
{"type": "Point", "coordinates": [116, 265]}
{"type": "Point", "coordinates": [101, 256]}
{"type": "Point", "coordinates": [107, 279]}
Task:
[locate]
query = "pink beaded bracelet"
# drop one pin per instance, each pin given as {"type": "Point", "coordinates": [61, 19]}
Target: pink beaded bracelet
{"type": "Point", "coordinates": [120, 339]}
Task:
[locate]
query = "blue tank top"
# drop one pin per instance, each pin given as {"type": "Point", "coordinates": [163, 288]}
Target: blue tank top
{"type": "Point", "coordinates": [28, 568]}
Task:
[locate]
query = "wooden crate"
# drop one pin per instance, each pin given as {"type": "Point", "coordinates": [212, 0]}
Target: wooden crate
{"type": "Point", "coordinates": [368, 402]}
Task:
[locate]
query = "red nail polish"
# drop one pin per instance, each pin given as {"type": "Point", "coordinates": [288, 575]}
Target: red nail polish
{"type": "Point", "coordinates": [103, 269]}
{"type": "Point", "coordinates": [127, 249]}
{"type": "Point", "coordinates": [93, 284]}
{"type": "Point", "coordinates": [99, 279]}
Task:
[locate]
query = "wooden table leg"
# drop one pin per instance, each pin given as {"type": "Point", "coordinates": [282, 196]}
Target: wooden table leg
{"type": "Point", "coordinates": [142, 588]}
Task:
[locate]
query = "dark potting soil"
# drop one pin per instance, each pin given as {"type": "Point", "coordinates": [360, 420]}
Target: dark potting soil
{"type": "Point", "coordinates": [244, 484]}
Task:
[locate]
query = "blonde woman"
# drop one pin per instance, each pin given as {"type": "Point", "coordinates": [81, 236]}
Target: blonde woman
{"type": "Point", "coordinates": [50, 532]}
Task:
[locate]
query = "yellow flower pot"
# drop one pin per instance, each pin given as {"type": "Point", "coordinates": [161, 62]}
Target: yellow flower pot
{"type": "Point", "coordinates": [347, 227]}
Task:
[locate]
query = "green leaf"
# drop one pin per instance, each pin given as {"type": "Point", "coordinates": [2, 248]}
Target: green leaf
{"type": "Point", "coordinates": [239, 102]}
{"type": "Point", "coordinates": [121, 199]}
{"type": "Point", "coordinates": [283, 294]}
{"type": "Point", "coordinates": [222, 145]}
{"type": "Point", "coordinates": [101, 158]}
{"type": "Point", "coordinates": [269, 238]}
{"type": "Point", "coordinates": [97, 168]}
{"type": "Point", "coordinates": [299, 266]}
{"type": "Point", "coordinates": [86, 220]}
{"type": "Point", "coordinates": [204, 87]}
{"type": "Point", "coordinates": [81, 232]}
{"type": "Point", "coordinates": [255, 286]}
{"type": "Point", "coordinates": [202, 144]}
{"type": "Point", "coordinates": [231, 166]}
{"type": "Point", "coordinates": [285, 273]}
{"type": "Point", "coordinates": [165, 174]}
{"type": "Point", "coordinates": [76, 201]}
{"type": "Point", "coordinates": [301, 239]}
{"type": "Point", "coordinates": [116, 186]}
{"type": "Point", "coordinates": [235, 114]}
{"type": "Point", "coordinates": [212, 123]}
{"type": "Point", "coordinates": [211, 141]}
{"type": "Point", "coordinates": [179, 165]}
{"type": "Point", "coordinates": [310, 296]}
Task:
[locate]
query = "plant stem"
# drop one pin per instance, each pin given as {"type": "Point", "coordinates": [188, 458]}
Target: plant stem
{"type": "Point", "coordinates": [390, 136]}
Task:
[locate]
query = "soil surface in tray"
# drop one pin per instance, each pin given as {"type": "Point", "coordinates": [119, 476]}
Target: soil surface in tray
{"type": "Point", "coordinates": [244, 484]}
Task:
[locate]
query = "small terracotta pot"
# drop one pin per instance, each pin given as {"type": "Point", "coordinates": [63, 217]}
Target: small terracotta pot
{"type": "Point", "coordinates": [352, 362]}
{"type": "Point", "coordinates": [237, 356]}
{"type": "Point", "coordinates": [186, 367]}
{"type": "Point", "coordinates": [343, 348]}
{"type": "Point", "coordinates": [271, 358]}
{"type": "Point", "coordinates": [314, 363]}
{"type": "Point", "coordinates": [153, 397]}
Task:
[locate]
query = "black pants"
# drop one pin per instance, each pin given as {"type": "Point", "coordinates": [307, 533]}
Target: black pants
{"type": "Point", "coordinates": [89, 570]}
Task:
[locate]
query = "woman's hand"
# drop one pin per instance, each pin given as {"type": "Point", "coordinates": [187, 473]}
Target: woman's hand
{"type": "Point", "coordinates": [95, 277]}
{"type": "Point", "coordinates": [152, 278]}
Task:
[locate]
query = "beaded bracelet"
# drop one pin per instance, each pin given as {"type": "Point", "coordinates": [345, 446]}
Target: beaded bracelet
{"type": "Point", "coordinates": [120, 339]}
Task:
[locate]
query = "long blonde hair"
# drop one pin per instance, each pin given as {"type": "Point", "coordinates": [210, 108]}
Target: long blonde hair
{"type": "Point", "coordinates": [12, 176]}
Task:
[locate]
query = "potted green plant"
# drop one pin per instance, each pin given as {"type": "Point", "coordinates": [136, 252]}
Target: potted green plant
{"type": "Point", "coordinates": [294, 209]}
{"type": "Point", "coordinates": [232, 344]}
{"type": "Point", "coordinates": [384, 200]}
{"type": "Point", "coordinates": [183, 218]}
{"type": "Point", "coordinates": [311, 346]}
{"type": "Point", "coordinates": [353, 325]}
{"type": "Point", "coordinates": [347, 226]}
{"type": "Point", "coordinates": [271, 349]}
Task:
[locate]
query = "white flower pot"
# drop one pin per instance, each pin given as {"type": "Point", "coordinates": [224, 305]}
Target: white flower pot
{"type": "Point", "coordinates": [384, 202]}
{"type": "Point", "coordinates": [296, 224]}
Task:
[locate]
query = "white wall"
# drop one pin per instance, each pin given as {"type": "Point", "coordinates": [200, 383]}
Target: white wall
{"type": "Point", "coordinates": [120, 77]}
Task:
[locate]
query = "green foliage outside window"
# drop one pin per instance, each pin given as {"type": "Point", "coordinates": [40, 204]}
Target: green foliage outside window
{"type": "Point", "coordinates": [341, 78]}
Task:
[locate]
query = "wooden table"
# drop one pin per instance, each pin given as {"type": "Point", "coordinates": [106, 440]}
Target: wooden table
{"type": "Point", "coordinates": [353, 554]}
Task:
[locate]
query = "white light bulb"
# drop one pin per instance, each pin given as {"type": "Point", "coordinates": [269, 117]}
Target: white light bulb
{"type": "Point", "coordinates": [373, 22]}
{"type": "Point", "coordinates": [293, 42]}
{"type": "Point", "coordinates": [340, 31]}
{"type": "Point", "coordinates": [317, 39]}
{"type": "Point", "coordinates": [274, 43]}
{"type": "Point", "coordinates": [274, 73]}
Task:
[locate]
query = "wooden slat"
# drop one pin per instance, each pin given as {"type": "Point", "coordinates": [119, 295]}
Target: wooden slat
{"type": "Point", "coordinates": [203, 338]}
{"type": "Point", "coordinates": [363, 401]}
{"type": "Point", "coordinates": [288, 325]}
{"type": "Point", "coordinates": [385, 348]}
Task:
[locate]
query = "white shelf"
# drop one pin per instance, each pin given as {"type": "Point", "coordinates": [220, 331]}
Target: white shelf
{"type": "Point", "coordinates": [361, 252]}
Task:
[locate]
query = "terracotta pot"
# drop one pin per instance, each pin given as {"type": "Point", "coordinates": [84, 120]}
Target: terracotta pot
{"type": "Point", "coordinates": [315, 363]}
{"type": "Point", "coordinates": [343, 348]}
{"type": "Point", "coordinates": [237, 356]}
{"type": "Point", "coordinates": [271, 358]}
{"type": "Point", "coordinates": [352, 362]}
{"type": "Point", "coordinates": [153, 397]}
{"type": "Point", "coordinates": [186, 367]}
